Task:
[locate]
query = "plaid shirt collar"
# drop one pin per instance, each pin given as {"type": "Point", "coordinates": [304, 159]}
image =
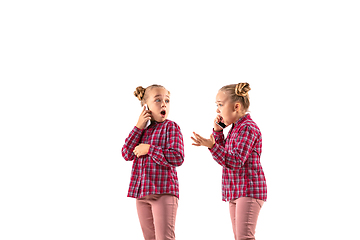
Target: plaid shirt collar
{"type": "Point", "coordinates": [154, 123]}
{"type": "Point", "coordinates": [241, 120]}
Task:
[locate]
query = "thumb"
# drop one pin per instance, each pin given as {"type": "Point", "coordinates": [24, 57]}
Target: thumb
{"type": "Point", "coordinates": [212, 138]}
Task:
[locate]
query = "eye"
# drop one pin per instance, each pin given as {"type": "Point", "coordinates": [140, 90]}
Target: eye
{"type": "Point", "coordinates": [167, 100]}
{"type": "Point", "coordinates": [157, 100]}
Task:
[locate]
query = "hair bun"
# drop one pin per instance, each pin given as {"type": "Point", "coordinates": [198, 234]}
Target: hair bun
{"type": "Point", "coordinates": [242, 89]}
{"type": "Point", "coordinates": [140, 92]}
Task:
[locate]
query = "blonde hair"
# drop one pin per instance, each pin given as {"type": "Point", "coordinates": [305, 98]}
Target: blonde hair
{"type": "Point", "coordinates": [238, 93]}
{"type": "Point", "coordinates": [140, 92]}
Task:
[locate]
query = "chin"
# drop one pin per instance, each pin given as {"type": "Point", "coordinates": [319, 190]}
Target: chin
{"type": "Point", "coordinates": [160, 119]}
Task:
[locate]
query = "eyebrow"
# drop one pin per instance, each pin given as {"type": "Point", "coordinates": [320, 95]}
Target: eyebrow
{"type": "Point", "coordinates": [161, 95]}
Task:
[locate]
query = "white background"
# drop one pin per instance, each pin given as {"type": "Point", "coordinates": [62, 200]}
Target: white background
{"type": "Point", "coordinates": [68, 70]}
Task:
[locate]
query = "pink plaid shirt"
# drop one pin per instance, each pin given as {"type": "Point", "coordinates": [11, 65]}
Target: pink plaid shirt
{"type": "Point", "coordinates": [239, 154]}
{"type": "Point", "coordinates": [155, 172]}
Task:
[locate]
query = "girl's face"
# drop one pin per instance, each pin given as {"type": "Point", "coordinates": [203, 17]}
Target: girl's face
{"type": "Point", "coordinates": [158, 102]}
{"type": "Point", "coordinates": [228, 110]}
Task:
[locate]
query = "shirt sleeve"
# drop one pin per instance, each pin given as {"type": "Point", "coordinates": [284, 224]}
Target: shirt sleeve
{"type": "Point", "coordinates": [130, 143]}
{"type": "Point", "coordinates": [234, 157]}
{"type": "Point", "coordinates": [173, 154]}
{"type": "Point", "coordinates": [219, 138]}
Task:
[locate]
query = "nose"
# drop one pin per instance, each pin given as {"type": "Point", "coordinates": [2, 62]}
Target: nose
{"type": "Point", "coordinates": [217, 110]}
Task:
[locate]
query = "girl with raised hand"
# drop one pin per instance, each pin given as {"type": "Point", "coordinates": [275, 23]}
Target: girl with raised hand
{"type": "Point", "coordinates": [156, 151]}
{"type": "Point", "coordinates": [243, 179]}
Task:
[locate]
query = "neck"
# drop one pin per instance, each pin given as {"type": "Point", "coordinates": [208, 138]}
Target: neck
{"type": "Point", "coordinates": [239, 116]}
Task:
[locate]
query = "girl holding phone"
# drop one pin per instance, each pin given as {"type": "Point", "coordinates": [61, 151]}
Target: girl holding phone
{"type": "Point", "coordinates": [243, 179]}
{"type": "Point", "coordinates": [156, 151]}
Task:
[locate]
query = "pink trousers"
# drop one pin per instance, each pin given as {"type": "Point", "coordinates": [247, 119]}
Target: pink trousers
{"type": "Point", "coordinates": [244, 213]}
{"type": "Point", "coordinates": [157, 214]}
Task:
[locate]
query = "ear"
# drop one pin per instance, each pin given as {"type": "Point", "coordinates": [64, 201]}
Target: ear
{"type": "Point", "coordinates": [237, 107]}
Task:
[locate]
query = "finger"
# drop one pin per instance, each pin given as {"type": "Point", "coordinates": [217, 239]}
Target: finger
{"type": "Point", "coordinates": [220, 118]}
{"type": "Point", "coordinates": [196, 144]}
{"type": "Point", "coordinates": [195, 140]}
{"type": "Point", "coordinates": [200, 138]}
{"type": "Point", "coordinates": [147, 118]}
{"type": "Point", "coordinates": [196, 135]}
{"type": "Point", "coordinates": [147, 115]}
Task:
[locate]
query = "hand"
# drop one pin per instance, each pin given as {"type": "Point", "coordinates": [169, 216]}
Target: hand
{"type": "Point", "coordinates": [218, 119]}
{"type": "Point", "coordinates": [200, 141]}
{"type": "Point", "coordinates": [143, 118]}
{"type": "Point", "coordinates": [141, 149]}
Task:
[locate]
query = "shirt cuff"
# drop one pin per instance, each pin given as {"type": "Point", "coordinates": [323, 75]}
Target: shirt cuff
{"type": "Point", "coordinates": [215, 148]}
{"type": "Point", "coordinates": [151, 150]}
{"type": "Point", "coordinates": [137, 130]}
{"type": "Point", "coordinates": [218, 134]}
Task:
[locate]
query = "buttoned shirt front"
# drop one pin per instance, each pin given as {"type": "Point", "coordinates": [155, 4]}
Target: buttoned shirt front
{"type": "Point", "coordinates": [155, 172]}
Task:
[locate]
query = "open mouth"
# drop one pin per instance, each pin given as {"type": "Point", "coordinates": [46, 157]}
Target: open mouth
{"type": "Point", "coordinates": [163, 113]}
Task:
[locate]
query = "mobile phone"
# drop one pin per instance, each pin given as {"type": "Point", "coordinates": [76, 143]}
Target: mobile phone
{"type": "Point", "coordinates": [149, 121]}
{"type": "Point", "coordinates": [222, 125]}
